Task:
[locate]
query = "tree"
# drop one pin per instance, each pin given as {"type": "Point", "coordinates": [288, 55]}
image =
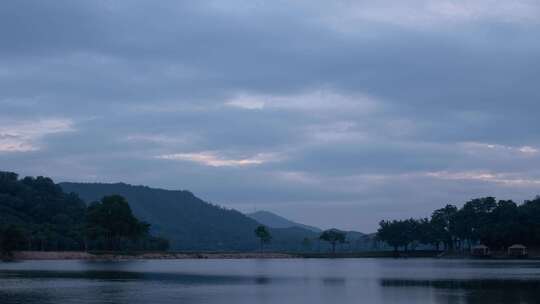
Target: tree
{"type": "Point", "coordinates": [333, 236]}
{"type": "Point", "coordinates": [497, 224]}
{"type": "Point", "coordinates": [427, 233]}
{"type": "Point", "coordinates": [47, 215]}
{"type": "Point", "coordinates": [443, 224]}
{"type": "Point", "coordinates": [529, 214]}
{"type": "Point", "coordinates": [389, 233]}
{"type": "Point", "coordinates": [472, 220]}
{"type": "Point", "coordinates": [264, 235]}
{"type": "Point", "coordinates": [52, 219]}
{"type": "Point", "coordinates": [398, 233]}
{"type": "Point", "coordinates": [11, 237]}
{"type": "Point", "coordinates": [112, 219]}
{"type": "Point", "coordinates": [503, 226]}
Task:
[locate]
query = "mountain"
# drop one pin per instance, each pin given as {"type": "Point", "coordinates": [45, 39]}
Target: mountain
{"type": "Point", "coordinates": [191, 224]}
{"type": "Point", "coordinates": [186, 220]}
{"type": "Point", "coordinates": [273, 220]}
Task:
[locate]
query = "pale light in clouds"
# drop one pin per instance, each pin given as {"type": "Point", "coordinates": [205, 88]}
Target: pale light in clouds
{"type": "Point", "coordinates": [246, 102]}
{"type": "Point", "coordinates": [9, 143]}
{"type": "Point", "coordinates": [214, 159]}
{"type": "Point", "coordinates": [528, 150]}
{"type": "Point", "coordinates": [509, 179]}
{"type": "Point", "coordinates": [430, 14]}
{"type": "Point", "coordinates": [297, 177]}
{"type": "Point", "coordinates": [316, 100]}
{"type": "Point", "coordinates": [335, 132]}
{"type": "Point", "coordinates": [25, 136]}
{"type": "Point", "coordinates": [157, 138]}
{"type": "Point", "coordinates": [476, 147]}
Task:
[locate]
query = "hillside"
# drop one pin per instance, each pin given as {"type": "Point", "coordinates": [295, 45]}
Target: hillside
{"type": "Point", "coordinates": [49, 216]}
{"type": "Point", "coordinates": [273, 220]}
{"type": "Point", "coordinates": [191, 224]}
{"type": "Point", "coordinates": [187, 221]}
{"type": "Point", "coordinates": [36, 214]}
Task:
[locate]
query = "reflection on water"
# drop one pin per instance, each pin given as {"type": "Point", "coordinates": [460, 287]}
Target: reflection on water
{"type": "Point", "coordinates": [271, 281]}
{"type": "Point", "coordinates": [476, 290]}
{"type": "Point", "coordinates": [333, 281]}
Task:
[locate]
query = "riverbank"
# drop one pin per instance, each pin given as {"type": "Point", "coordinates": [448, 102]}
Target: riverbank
{"type": "Point", "coordinates": [118, 256]}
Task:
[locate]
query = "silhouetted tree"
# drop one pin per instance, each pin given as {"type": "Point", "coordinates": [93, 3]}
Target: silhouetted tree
{"type": "Point", "coordinates": [530, 221]}
{"type": "Point", "coordinates": [47, 215]}
{"type": "Point", "coordinates": [443, 225]}
{"type": "Point", "coordinates": [264, 235]}
{"type": "Point", "coordinates": [503, 226]}
{"type": "Point", "coordinates": [333, 236]}
{"type": "Point", "coordinates": [399, 233]}
{"type": "Point", "coordinates": [113, 219]}
{"type": "Point", "coordinates": [11, 238]}
{"type": "Point", "coordinates": [427, 234]}
{"type": "Point", "coordinates": [497, 224]}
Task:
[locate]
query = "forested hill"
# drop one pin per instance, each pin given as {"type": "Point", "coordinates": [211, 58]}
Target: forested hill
{"type": "Point", "coordinates": [51, 217]}
{"type": "Point", "coordinates": [187, 221]}
{"type": "Point", "coordinates": [36, 214]}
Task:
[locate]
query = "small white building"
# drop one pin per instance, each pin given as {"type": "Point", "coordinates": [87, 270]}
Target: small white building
{"type": "Point", "coordinates": [517, 250]}
{"type": "Point", "coordinates": [480, 251]}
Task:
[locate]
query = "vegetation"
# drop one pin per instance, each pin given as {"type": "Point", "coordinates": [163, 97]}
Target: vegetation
{"type": "Point", "coordinates": [11, 237]}
{"type": "Point", "coordinates": [111, 224]}
{"type": "Point", "coordinates": [36, 214]}
{"type": "Point", "coordinates": [497, 224]}
{"type": "Point", "coordinates": [334, 237]}
{"type": "Point", "coordinates": [191, 224]}
{"type": "Point", "coordinates": [187, 221]}
{"type": "Point", "coordinates": [264, 236]}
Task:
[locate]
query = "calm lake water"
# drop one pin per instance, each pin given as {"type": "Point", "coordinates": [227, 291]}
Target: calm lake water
{"type": "Point", "coordinates": [271, 281]}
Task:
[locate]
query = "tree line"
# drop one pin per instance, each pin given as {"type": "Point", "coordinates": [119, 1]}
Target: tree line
{"type": "Point", "coordinates": [35, 214]}
{"type": "Point", "coordinates": [497, 224]}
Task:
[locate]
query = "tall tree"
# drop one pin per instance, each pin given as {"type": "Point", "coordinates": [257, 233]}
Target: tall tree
{"type": "Point", "coordinates": [113, 219]}
{"type": "Point", "coordinates": [443, 225]}
{"type": "Point", "coordinates": [11, 238]}
{"type": "Point", "coordinates": [426, 233]}
{"type": "Point", "coordinates": [474, 219]}
{"type": "Point", "coordinates": [530, 220]}
{"type": "Point", "coordinates": [334, 237]}
{"type": "Point", "coordinates": [503, 226]}
{"type": "Point", "coordinates": [264, 236]}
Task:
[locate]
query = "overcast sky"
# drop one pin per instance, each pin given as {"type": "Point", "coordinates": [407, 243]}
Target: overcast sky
{"type": "Point", "coordinates": [333, 113]}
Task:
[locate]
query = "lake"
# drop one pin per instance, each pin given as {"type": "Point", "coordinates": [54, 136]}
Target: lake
{"type": "Point", "coordinates": [281, 281]}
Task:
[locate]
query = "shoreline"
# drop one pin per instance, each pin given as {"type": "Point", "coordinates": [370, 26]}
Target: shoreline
{"type": "Point", "coordinates": [121, 256]}
{"type": "Point", "coordinates": [126, 256]}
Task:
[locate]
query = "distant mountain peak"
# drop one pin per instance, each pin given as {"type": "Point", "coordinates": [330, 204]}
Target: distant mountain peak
{"type": "Point", "coordinates": [273, 220]}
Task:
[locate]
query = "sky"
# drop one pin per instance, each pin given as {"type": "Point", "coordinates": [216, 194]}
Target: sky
{"type": "Point", "coordinates": [332, 113]}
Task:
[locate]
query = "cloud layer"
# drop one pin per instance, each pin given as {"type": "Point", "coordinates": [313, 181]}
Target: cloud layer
{"type": "Point", "coordinates": [328, 112]}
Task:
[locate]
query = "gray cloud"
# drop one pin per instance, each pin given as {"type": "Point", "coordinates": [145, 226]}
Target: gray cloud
{"type": "Point", "coordinates": [348, 110]}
